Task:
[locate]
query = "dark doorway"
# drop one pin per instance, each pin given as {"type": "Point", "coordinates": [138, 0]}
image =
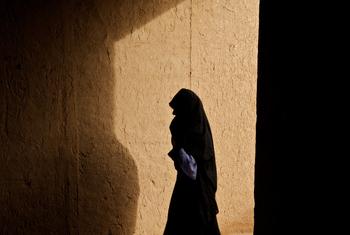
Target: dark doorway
{"type": "Point", "coordinates": [299, 118]}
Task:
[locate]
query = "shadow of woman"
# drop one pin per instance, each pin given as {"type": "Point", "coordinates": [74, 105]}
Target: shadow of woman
{"type": "Point", "coordinates": [68, 173]}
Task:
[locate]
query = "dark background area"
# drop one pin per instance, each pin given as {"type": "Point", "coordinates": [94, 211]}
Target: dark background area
{"type": "Point", "coordinates": [301, 106]}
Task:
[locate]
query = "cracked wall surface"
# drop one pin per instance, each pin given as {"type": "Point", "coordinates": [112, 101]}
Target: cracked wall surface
{"type": "Point", "coordinates": [85, 87]}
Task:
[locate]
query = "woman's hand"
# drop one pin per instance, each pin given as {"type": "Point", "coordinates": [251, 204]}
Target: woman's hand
{"type": "Point", "coordinates": [174, 155]}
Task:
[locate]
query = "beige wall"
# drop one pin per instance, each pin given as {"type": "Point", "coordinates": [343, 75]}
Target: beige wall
{"type": "Point", "coordinates": [224, 63]}
{"type": "Point", "coordinates": [215, 41]}
{"type": "Point", "coordinates": [85, 110]}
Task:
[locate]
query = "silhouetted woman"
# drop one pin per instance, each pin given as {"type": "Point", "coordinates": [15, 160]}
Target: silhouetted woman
{"type": "Point", "coordinates": [193, 207]}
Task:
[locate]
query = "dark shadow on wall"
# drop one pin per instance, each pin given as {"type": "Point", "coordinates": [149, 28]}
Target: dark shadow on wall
{"type": "Point", "coordinates": [38, 178]}
{"type": "Point", "coordinates": [63, 169]}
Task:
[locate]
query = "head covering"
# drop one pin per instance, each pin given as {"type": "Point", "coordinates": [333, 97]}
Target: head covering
{"type": "Point", "coordinates": [190, 127]}
{"type": "Point", "coordinates": [188, 108]}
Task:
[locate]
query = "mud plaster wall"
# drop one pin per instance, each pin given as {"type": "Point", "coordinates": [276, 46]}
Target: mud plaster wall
{"type": "Point", "coordinates": [85, 87]}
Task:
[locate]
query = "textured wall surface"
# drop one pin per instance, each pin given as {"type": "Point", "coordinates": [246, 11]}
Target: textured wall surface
{"type": "Point", "coordinates": [224, 51]}
{"type": "Point", "coordinates": [38, 178]}
{"type": "Point", "coordinates": [84, 120]}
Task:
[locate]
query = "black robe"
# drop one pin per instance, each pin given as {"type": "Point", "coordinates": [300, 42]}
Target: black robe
{"type": "Point", "coordinates": [193, 207]}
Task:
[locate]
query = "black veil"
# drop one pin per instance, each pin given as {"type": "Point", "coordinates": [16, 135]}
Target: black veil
{"type": "Point", "coordinates": [190, 130]}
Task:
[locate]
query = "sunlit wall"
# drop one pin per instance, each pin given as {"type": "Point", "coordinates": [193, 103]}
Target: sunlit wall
{"type": "Point", "coordinates": [207, 46]}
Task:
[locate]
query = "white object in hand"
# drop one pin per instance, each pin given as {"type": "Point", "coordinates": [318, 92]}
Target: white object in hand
{"type": "Point", "coordinates": [188, 164]}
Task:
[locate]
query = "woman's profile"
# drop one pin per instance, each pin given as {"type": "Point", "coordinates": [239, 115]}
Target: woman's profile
{"type": "Point", "coordinates": [193, 206]}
